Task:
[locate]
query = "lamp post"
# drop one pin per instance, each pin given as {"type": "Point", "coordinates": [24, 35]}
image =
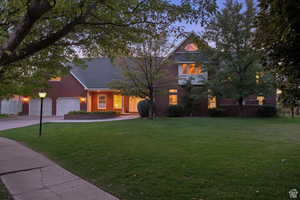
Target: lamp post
{"type": "Point", "coordinates": [42, 96]}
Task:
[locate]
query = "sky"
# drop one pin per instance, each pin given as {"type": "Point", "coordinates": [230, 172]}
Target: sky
{"type": "Point", "coordinates": [197, 27]}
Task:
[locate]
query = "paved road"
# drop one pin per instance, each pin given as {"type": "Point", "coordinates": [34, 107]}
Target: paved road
{"type": "Point", "coordinates": [31, 176]}
{"type": "Point", "coordinates": [28, 121]}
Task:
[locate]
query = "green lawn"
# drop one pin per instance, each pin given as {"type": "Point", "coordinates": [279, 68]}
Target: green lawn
{"type": "Point", "coordinates": [3, 116]}
{"type": "Point", "coordinates": [179, 158]}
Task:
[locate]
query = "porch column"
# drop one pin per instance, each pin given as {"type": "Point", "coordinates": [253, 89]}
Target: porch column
{"type": "Point", "coordinates": [123, 104]}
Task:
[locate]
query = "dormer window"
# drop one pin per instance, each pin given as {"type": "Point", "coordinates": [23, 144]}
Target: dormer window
{"type": "Point", "coordinates": [192, 69]}
{"type": "Point", "coordinates": [191, 47]}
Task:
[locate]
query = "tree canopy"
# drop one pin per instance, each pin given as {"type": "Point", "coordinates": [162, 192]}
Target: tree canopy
{"type": "Point", "coordinates": [37, 37]}
{"type": "Point", "coordinates": [235, 68]}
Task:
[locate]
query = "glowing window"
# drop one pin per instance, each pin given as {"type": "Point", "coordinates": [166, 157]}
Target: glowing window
{"type": "Point", "coordinates": [260, 100]}
{"type": "Point", "coordinates": [192, 69]}
{"type": "Point", "coordinates": [191, 47]}
{"type": "Point", "coordinates": [172, 90]}
{"type": "Point", "coordinates": [118, 101]}
{"type": "Point", "coordinates": [173, 99]}
{"type": "Point", "coordinates": [172, 96]}
{"type": "Point", "coordinates": [55, 79]}
{"type": "Point", "coordinates": [212, 102]}
{"type": "Point", "coordinates": [102, 101]}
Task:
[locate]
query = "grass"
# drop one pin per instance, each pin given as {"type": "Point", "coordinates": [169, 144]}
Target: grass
{"type": "Point", "coordinates": [2, 116]}
{"type": "Point", "coordinates": [179, 158]}
{"type": "Point", "coordinates": [3, 192]}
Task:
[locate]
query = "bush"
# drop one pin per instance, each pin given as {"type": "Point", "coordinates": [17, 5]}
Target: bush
{"type": "Point", "coordinates": [267, 111]}
{"type": "Point", "coordinates": [80, 112]}
{"type": "Point", "coordinates": [175, 111]}
{"type": "Point", "coordinates": [144, 108]}
{"type": "Point", "coordinates": [216, 112]}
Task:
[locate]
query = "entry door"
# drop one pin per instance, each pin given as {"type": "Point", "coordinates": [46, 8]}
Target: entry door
{"type": "Point", "coordinates": [133, 103]}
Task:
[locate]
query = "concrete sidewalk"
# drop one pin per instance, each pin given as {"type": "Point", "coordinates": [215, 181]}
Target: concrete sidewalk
{"type": "Point", "coordinates": [29, 175]}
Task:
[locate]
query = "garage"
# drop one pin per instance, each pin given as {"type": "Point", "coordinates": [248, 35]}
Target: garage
{"type": "Point", "coordinates": [64, 105]}
{"type": "Point", "coordinates": [35, 106]}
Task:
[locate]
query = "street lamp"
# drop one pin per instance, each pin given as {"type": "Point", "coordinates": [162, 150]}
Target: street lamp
{"type": "Point", "coordinates": [42, 96]}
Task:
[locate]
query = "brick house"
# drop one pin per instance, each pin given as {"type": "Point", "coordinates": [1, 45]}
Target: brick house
{"type": "Point", "coordinates": [87, 89]}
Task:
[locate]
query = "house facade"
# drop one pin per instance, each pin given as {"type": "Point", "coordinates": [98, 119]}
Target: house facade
{"type": "Point", "coordinates": [88, 88]}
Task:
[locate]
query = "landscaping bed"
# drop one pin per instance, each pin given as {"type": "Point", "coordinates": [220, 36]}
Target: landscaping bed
{"type": "Point", "coordinates": [82, 115]}
{"type": "Point", "coordinates": [4, 195]}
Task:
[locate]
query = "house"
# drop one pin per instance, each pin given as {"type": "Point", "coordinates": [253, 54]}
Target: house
{"type": "Point", "coordinates": [88, 88]}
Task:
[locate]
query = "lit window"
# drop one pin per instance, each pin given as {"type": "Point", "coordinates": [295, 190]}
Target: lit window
{"type": "Point", "coordinates": [191, 47]}
{"type": "Point", "coordinates": [173, 96]}
{"type": "Point", "coordinates": [55, 79]}
{"type": "Point", "coordinates": [259, 76]}
{"type": "Point", "coordinates": [212, 102]}
{"type": "Point", "coordinates": [192, 69]}
{"type": "Point", "coordinates": [118, 101]}
{"type": "Point", "coordinates": [172, 90]}
{"type": "Point", "coordinates": [260, 100]}
{"type": "Point", "coordinates": [102, 101]}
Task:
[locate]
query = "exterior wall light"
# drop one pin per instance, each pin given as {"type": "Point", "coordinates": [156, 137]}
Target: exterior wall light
{"type": "Point", "coordinates": [82, 99]}
{"type": "Point", "coordinates": [25, 99]}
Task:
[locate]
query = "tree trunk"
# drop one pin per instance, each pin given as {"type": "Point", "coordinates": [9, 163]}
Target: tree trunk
{"type": "Point", "coordinates": [292, 112]}
{"type": "Point", "coordinates": [151, 109]}
{"type": "Point", "coordinates": [241, 106]}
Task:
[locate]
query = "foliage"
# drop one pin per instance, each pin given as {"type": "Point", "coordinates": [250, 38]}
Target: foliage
{"type": "Point", "coordinates": [80, 112]}
{"type": "Point", "coordinates": [290, 96]}
{"type": "Point", "coordinates": [267, 111]}
{"type": "Point", "coordinates": [278, 37]}
{"type": "Point", "coordinates": [4, 195]}
{"type": "Point", "coordinates": [128, 158]}
{"type": "Point", "coordinates": [176, 111]}
{"type": "Point", "coordinates": [216, 112]}
{"type": "Point", "coordinates": [191, 94]}
{"type": "Point", "coordinates": [235, 67]}
{"type": "Point", "coordinates": [144, 107]}
{"type": "Point", "coordinates": [38, 37]}
{"type": "Point", "coordinates": [143, 73]}
{"type": "Point", "coordinates": [4, 115]}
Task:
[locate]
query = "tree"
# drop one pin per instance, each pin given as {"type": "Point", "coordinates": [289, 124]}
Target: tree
{"type": "Point", "coordinates": [278, 37]}
{"type": "Point", "coordinates": [37, 37]}
{"type": "Point", "coordinates": [235, 69]}
{"type": "Point", "coordinates": [143, 73]}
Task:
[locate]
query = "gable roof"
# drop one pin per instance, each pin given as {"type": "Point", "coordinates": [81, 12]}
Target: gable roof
{"type": "Point", "coordinates": [98, 73]}
{"type": "Point", "coordinates": [179, 56]}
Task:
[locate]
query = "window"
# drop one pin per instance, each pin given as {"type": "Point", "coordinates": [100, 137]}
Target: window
{"type": "Point", "coordinates": [172, 96]}
{"type": "Point", "coordinates": [259, 76]}
{"type": "Point", "coordinates": [118, 101]}
{"type": "Point", "coordinates": [260, 100]}
{"type": "Point", "coordinates": [212, 102]}
{"type": "Point", "coordinates": [55, 79]}
{"type": "Point", "coordinates": [191, 47]}
{"type": "Point", "coordinates": [102, 101]}
{"type": "Point", "coordinates": [192, 69]}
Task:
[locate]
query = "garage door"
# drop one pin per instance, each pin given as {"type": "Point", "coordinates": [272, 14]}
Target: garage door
{"type": "Point", "coordinates": [65, 105]}
{"type": "Point", "coordinates": [35, 106]}
{"type": "Point", "coordinates": [11, 106]}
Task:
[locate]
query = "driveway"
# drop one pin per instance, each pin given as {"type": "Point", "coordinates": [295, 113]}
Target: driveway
{"type": "Point", "coordinates": [22, 121]}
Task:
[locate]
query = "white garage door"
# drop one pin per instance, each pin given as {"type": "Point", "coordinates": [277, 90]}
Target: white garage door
{"type": "Point", "coordinates": [65, 105]}
{"type": "Point", "coordinates": [11, 106]}
{"type": "Point", "coordinates": [35, 107]}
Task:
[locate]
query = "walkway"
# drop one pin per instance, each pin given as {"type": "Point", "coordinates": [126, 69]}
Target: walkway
{"type": "Point", "coordinates": [29, 175]}
{"type": "Point", "coordinates": [28, 121]}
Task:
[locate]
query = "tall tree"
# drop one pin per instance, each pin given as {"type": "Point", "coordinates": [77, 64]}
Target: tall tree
{"type": "Point", "coordinates": [38, 36]}
{"type": "Point", "coordinates": [278, 37]}
{"type": "Point", "coordinates": [143, 73]}
{"type": "Point", "coordinates": [235, 69]}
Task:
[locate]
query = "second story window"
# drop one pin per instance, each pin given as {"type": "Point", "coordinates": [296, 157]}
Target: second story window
{"type": "Point", "coordinates": [192, 69]}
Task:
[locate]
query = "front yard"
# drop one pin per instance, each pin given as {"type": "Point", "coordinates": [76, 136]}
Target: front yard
{"type": "Point", "coordinates": [178, 159]}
